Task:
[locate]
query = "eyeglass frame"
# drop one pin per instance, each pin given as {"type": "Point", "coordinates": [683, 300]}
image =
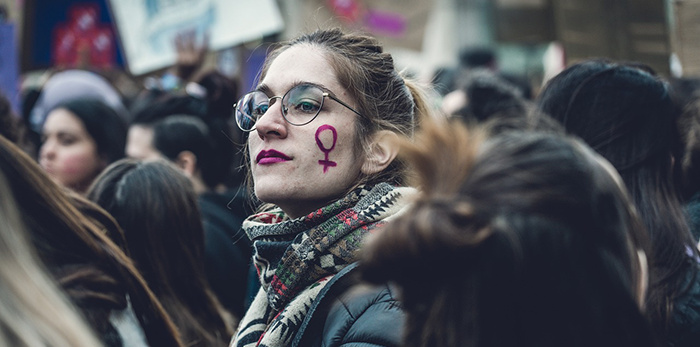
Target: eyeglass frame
{"type": "Point", "coordinates": [325, 93]}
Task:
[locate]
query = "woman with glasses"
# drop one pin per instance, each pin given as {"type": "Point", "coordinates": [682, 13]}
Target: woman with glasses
{"type": "Point", "coordinates": [322, 124]}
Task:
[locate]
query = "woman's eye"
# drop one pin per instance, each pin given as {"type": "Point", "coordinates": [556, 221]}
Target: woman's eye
{"type": "Point", "coordinates": [66, 140]}
{"type": "Point", "coordinates": [260, 110]}
{"type": "Point", "coordinates": [307, 106]}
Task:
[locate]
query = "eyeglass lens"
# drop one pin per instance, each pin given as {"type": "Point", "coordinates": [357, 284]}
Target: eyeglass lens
{"type": "Point", "coordinates": [299, 106]}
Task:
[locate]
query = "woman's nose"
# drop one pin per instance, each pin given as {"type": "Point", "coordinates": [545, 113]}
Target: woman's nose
{"type": "Point", "coordinates": [272, 123]}
{"type": "Point", "coordinates": [47, 152]}
{"type": "Point", "coordinates": [47, 149]}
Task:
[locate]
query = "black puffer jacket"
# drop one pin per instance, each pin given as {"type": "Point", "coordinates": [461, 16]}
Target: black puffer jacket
{"type": "Point", "coordinates": [348, 313]}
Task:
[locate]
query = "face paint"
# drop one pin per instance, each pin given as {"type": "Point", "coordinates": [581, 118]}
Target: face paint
{"type": "Point", "coordinates": [325, 162]}
{"type": "Point", "coordinates": [299, 185]}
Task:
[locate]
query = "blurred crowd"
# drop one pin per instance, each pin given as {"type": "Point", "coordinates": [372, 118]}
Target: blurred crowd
{"type": "Point", "coordinates": [341, 203]}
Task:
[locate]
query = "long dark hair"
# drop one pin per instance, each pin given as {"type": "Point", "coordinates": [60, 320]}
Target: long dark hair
{"type": "Point", "coordinates": [95, 273]}
{"type": "Point", "coordinates": [627, 115]}
{"type": "Point", "coordinates": [525, 240]}
{"type": "Point", "coordinates": [33, 310]}
{"type": "Point", "coordinates": [157, 208]}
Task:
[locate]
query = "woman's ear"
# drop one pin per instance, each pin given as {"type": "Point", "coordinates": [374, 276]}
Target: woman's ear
{"type": "Point", "coordinates": [187, 162]}
{"type": "Point", "coordinates": [383, 150]}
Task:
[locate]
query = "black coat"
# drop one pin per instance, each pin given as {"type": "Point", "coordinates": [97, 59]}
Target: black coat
{"type": "Point", "coordinates": [227, 251]}
{"type": "Point", "coordinates": [348, 313]}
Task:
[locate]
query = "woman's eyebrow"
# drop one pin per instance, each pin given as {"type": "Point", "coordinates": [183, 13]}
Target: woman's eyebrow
{"type": "Point", "coordinates": [264, 88]}
{"type": "Point", "coordinates": [319, 85]}
{"type": "Point", "coordinates": [268, 91]}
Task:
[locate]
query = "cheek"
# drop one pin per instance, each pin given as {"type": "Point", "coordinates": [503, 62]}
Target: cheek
{"type": "Point", "coordinates": [78, 163]}
{"type": "Point", "coordinates": [76, 167]}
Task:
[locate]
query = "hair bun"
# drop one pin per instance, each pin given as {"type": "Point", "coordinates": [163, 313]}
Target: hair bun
{"type": "Point", "coordinates": [440, 225]}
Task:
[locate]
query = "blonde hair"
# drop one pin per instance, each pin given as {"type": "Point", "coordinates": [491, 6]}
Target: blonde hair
{"type": "Point", "coordinates": [33, 311]}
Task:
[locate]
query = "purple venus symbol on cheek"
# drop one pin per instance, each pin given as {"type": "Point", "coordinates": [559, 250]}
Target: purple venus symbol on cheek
{"type": "Point", "coordinates": [326, 150]}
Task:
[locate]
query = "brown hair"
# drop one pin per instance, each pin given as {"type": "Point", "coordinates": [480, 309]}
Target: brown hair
{"type": "Point", "coordinates": [34, 312]}
{"type": "Point", "coordinates": [386, 100]}
{"type": "Point", "coordinates": [157, 207]}
{"type": "Point", "coordinates": [91, 268]}
{"type": "Point", "coordinates": [525, 233]}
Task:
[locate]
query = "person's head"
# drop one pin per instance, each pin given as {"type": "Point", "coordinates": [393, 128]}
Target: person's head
{"type": "Point", "coordinates": [221, 92]}
{"type": "Point", "coordinates": [33, 310]}
{"type": "Point", "coordinates": [627, 115]}
{"type": "Point", "coordinates": [71, 236]}
{"type": "Point", "coordinates": [360, 103]}
{"type": "Point", "coordinates": [186, 141]}
{"type": "Point", "coordinates": [477, 57]}
{"type": "Point", "coordinates": [156, 207]}
{"type": "Point", "coordinates": [80, 138]}
{"type": "Point", "coordinates": [72, 85]}
{"type": "Point", "coordinates": [490, 96]}
{"type": "Point", "coordinates": [623, 112]}
{"type": "Point", "coordinates": [151, 109]}
{"type": "Point", "coordinates": [148, 112]}
{"type": "Point", "coordinates": [144, 143]}
{"type": "Point", "coordinates": [525, 239]}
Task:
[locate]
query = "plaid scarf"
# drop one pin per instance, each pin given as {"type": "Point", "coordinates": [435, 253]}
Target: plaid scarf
{"type": "Point", "coordinates": [296, 258]}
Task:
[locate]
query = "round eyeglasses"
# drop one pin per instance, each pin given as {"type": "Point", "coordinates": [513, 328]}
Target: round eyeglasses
{"type": "Point", "coordinates": [300, 106]}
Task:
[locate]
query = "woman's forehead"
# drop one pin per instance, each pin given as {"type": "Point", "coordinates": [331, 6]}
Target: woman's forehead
{"type": "Point", "coordinates": [62, 119]}
{"type": "Point", "coordinates": [300, 64]}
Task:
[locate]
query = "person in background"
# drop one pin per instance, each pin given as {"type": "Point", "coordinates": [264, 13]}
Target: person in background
{"type": "Point", "coordinates": [489, 96]}
{"type": "Point", "coordinates": [81, 245]}
{"type": "Point", "coordinates": [483, 62]}
{"type": "Point", "coordinates": [63, 87]}
{"type": "Point", "coordinates": [627, 115]}
{"type": "Point", "coordinates": [34, 312]}
{"type": "Point", "coordinates": [214, 162]}
{"type": "Point", "coordinates": [70, 85]}
{"type": "Point", "coordinates": [221, 93]}
{"type": "Point", "coordinates": [322, 124]}
{"type": "Point", "coordinates": [156, 207]}
{"type": "Point", "coordinates": [522, 239]}
{"type": "Point", "coordinates": [174, 127]}
{"type": "Point", "coordinates": [79, 139]}
{"type": "Point", "coordinates": [187, 143]}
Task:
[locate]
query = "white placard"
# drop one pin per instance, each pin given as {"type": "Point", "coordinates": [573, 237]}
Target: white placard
{"type": "Point", "coordinates": [147, 28]}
